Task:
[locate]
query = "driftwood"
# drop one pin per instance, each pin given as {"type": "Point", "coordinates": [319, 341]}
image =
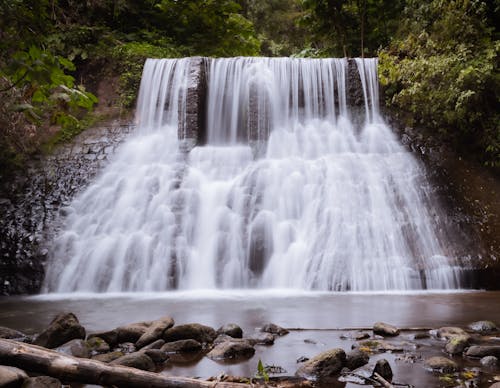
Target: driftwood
{"type": "Point", "coordinates": [382, 381]}
{"type": "Point", "coordinates": [34, 358]}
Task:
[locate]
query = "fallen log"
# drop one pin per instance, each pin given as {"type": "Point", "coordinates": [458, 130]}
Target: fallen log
{"type": "Point", "coordinates": [34, 358]}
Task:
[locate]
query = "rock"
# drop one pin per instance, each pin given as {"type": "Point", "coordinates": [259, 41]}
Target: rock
{"type": "Point", "coordinates": [441, 364]}
{"type": "Point", "coordinates": [324, 366]}
{"type": "Point", "coordinates": [479, 351]}
{"type": "Point", "coordinates": [97, 345]}
{"type": "Point", "coordinates": [42, 382]}
{"type": "Point", "coordinates": [65, 327]}
{"type": "Point", "coordinates": [483, 326]}
{"type": "Point", "coordinates": [108, 357]}
{"type": "Point", "coordinates": [155, 345]}
{"type": "Point", "coordinates": [181, 346]}
{"type": "Point", "coordinates": [489, 361]}
{"type": "Point", "coordinates": [356, 358]}
{"type": "Point", "coordinates": [111, 336]}
{"type": "Point", "coordinates": [262, 339]}
{"type": "Point", "coordinates": [158, 356]}
{"type": "Point", "coordinates": [195, 331]}
{"type": "Point", "coordinates": [383, 368]}
{"type": "Point", "coordinates": [231, 329]}
{"type": "Point", "coordinates": [11, 377]}
{"type": "Point", "coordinates": [7, 333]}
{"type": "Point", "coordinates": [496, 385]}
{"type": "Point", "coordinates": [457, 344]}
{"type": "Point", "coordinates": [361, 336]}
{"type": "Point", "coordinates": [302, 359]}
{"type": "Point", "coordinates": [127, 347]}
{"type": "Point", "coordinates": [382, 346]}
{"type": "Point", "coordinates": [384, 329]}
{"type": "Point", "coordinates": [137, 360]}
{"type": "Point", "coordinates": [132, 332]}
{"type": "Point", "coordinates": [227, 350]}
{"type": "Point", "coordinates": [274, 329]}
{"type": "Point", "coordinates": [155, 331]}
{"type": "Point", "coordinates": [76, 348]}
{"type": "Point", "coordinates": [448, 332]}
{"type": "Point", "coordinates": [421, 335]}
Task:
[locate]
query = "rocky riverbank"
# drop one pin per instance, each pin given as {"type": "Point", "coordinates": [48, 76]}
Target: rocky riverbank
{"type": "Point", "coordinates": [143, 352]}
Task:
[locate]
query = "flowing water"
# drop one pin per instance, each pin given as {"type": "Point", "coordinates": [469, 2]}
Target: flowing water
{"type": "Point", "coordinates": [320, 202]}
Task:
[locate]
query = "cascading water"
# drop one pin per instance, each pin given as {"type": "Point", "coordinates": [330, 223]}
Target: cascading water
{"type": "Point", "coordinates": [326, 205]}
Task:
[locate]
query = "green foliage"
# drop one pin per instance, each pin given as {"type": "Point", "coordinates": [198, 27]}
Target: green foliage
{"type": "Point", "coordinates": [261, 372]}
{"type": "Point", "coordinates": [443, 71]}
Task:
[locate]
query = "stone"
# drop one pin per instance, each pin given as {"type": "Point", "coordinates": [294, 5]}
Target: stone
{"type": "Point", "coordinates": [127, 347]}
{"type": "Point", "coordinates": [449, 331]}
{"type": "Point", "coordinates": [421, 335]}
{"type": "Point", "coordinates": [361, 336]}
{"type": "Point", "coordinates": [496, 385]}
{"type": "Point", "coordinates": [42, 382]}
{"type": "Point", "coordinates": [231, 350]}
{"type": "Point", "coordinates": [274, 329]}
{"type": "Point", "coordinates": [457, 344]}
{"type": "Point", "coordinates": [63, 328]}
{"type": "Point", "coordinates": [231, 329]}
{"type": "Point", "coordinates": [108, 357]}
{"type": "Point", "coordinates": [489, 361]}
{"type": "Point", "coordinates": [441, 364]}
{"type": "Point", "coordinates": [483, 326]}
{"type": "Point", "coordinates": [325, 365]}
{"type": "Point", "coordinates": [382, 346]}
{"type": "Point", "coordinates": [262, 339]}
{"type": "Point", "coordinates": [76, 348]}
{"type": "Point", "coordinates": [137, 360]}
{"type": "Point", "coordinates": [155, 331]}
{"type": "Point", "coordinates": [158, 356]}
{"type": "Point", "coordinates": [132, 332]}
{"type": "Point", "coordinates": [479, 351]}
{"type": "Point", "coordinates": [155, 345]}
{"type": "Point", "coordinates": [195, 331]}
{"type": "Point", "coordinates": [11, 377]}
{"type": "Point", "coordinates": [384, 329]}
{"type": "Point", "coordinates": [181, 346]}
{"type": "Point", "coordinates": [383, 368]}
{"type": "Point", "coordinates": [97, 345]}
{"type": "Point", "coordinates": [110, 336]}
{"type": "Point", "coordinates": [302, 359]}
{"type": "Point", "coordinates": [7, 333]}
{"type": "Point", "coordinates": [356, 358]}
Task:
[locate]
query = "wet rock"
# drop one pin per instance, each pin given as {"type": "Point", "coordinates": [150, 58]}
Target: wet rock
{"type": "Point", "coordinates": [384, 329]}
{"type": "Point", "coordinates": [231, 329]}
{"type": "Point", "coordinates": [158, 356]}
{"type": "Point", "coordinates": [441, 364]}
{"type": "Point", "coordinates": [356, 359]}
{"type": "Point", "coordinates": [483, 326]}
{"type": "Point", "coordinates": [76, 348]}
{"type": "Point", "coordinates": [155, 331]}
{"type": "Point", "coordinates": [195, 331]}
{"type": "Point", "coordinates": [489, 361]}
{"type": "Point", "coordinates": [479, 351]}
{"type": "Point", "coordinates": [302, 359]}
{"type": "Point", "coordinates": [137, 360]}
{"type": "Point", "coordinates": [262, 339]}
{"type": "Point", "coordinates": [108, 357]}
{"type": "Point", "coordinates": [42, 382]}
{"type": "Point", "coordinates": [155, 345]}
{"type": "Point", "coordinates": [127, 347]}
{"type": "Point", "coordinates": [181, 346]}
{"type": "Point", "coordinates": [7, 333]}
{"type": "Point", "coordinates": [496, 385]}
{"type": "Point", "coordinates": [361, 336]}
{"type": "Point", "coordinates": [11, 377]}
{"type": "Point", "coordinates": [449, 332]}
{"type": "Point", "coordinates": [383, 368]}
{"type": "Point", "coordinates": [274, 329]}
{"type": "Point", "coordinates": [62, 329]}
{"type": "Point", "coordinates": [323, 366]}
{"type": "Point", "coordinates": [231, 350]}
{"type": "Point", "coordinates": [97, 345]}
{"type": "Point", "coordinates": [382, 346]}
{"type": "Point", "coordinates": [457, 344]}
{"type": "Point", "coordinates": [132, 332]}
{"type": "Point", "coordinates": [111, 336]}
{"type": "Point", "coordinates": [421, 335]}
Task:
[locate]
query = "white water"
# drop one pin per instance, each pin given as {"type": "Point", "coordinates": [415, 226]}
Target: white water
{"type": "Point", "coordinates": [328, 206]}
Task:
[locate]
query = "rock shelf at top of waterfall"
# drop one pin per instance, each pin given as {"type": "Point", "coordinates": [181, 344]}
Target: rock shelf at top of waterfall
{"type": "Point", "coordinates": [325, 203]}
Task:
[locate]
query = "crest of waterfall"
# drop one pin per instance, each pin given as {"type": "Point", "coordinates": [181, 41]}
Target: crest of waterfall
{"type": "Point", "coordinates": [328, 205]}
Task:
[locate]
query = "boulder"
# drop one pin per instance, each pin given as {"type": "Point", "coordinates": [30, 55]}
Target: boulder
{"type": "Point", "coordinates": [158, 356]}
{"type": "Point", "coordinates": [63, 328]}
{"type": "Point", "coordinates": [420, 335]}
{"type": "Point", "coordinates": [194, 331]}
{"type": "Point", "coordinates": [42, 382]}
{"type": "Point", "coordinates": [496, 385]}
{"type": "Point", "coordinates": [382, 346]}
{"type": "Point", "coordinates": [137, 360]}
{"type": "Point", "coordinates": [155, 345]}
{"type": "Point", "coordinates": [489, 361]}
{"type": "Point", "coordinates": [181, 346]}
{"type": "Point", "coordinates": [483, 326]}
{"type": "Point", "coordinates": [385, 330]}
{"type": "Point", "coordinates": [441, 364]}
{"type": "Point", "coordinates": [457, 344]}
{"type": "Point", "coordinates": [356, 358]}
{"type": "Point", "coordinates": [155, 331]}
{"type": "Point", "coordinates": [76, 348]}
{"type": "Point", "coordinates": [97, 345]}
{"type": "Point", "coordinates": [274, 329]}
{"type": "Point", "coordinates": [262, 339]}
{"type": "Point", "coordinates": [323, 366]}
{"type": "Point", "coordinates": [231, 350]}
{"type": "Point", "coordinates": [383, 368]}
{"type": "Point", "coordinates": [126, 347]}
{"type": "Point", "coordinates": [361, 336]}
{"type": "Point", "coordinates": [110, 336]}
{"type": "Point", "coordinates": [479, 351]}
{"type": "Point", "coordinates": [132, 332]}
{"type": "Point", "coordinates": [7, 333]}
{"type": "Point", "coordinates": [231, 329]}
{"type": "Point", "coordinates": [449, 331]}
{"type": "Point", "coordinates": [11, 377]}
{"type": "Point", "coordinates": [108, 357]}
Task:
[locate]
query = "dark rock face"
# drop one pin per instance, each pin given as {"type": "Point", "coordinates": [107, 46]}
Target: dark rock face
{"type": "Point", "coordinates": [137, 360]}
{"type": "Point", "coordinates": [478, 351]}
{"type": "Point", "coordinates": [155, 331]}
{"type": "Point", "coordinates": [64, 328]}
{"type": "Point", "coordinates": [181, 346]}
{"type": "Point", "coordinates": [383, 368]}
{"type": "Point", "coordinates": [227, 350]}
{"type": "Point", "coordinates": [232, 330]}
{"type": "Point", "coordinates": [32, 205]}
{"type": "Point", "coordinates": [356, 359]}
{"type": "Point", "coordinates": [195, 331]}
{"type": "Point", "coordinates": [324, 366]}
{"type": "Point", "coordinates": [354, 87]}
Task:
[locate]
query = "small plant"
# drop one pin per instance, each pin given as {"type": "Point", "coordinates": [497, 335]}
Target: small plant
{"type": "Point", "coordinates": [261, 372]}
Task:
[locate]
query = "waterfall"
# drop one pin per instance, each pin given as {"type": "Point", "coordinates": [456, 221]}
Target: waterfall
{"type": "Point", "coordinates": [325, 205]}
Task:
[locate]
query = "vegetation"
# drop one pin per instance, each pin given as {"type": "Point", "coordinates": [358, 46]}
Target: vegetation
{"type": "Point", "coordinates": [439, 59]}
